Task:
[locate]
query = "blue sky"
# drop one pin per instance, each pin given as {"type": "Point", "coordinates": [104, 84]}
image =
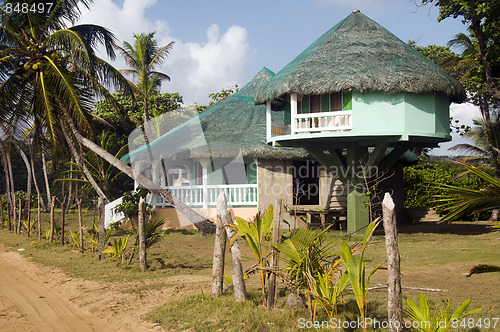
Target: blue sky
{"type": "Point", "coordinates": [220, 43]}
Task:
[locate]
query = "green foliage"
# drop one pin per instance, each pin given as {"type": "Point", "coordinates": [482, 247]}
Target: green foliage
{"type": "Point", "coordinates": [441, 320]}
{"type": "Point", "coordinates": [257, 234]}
{"type": "Point", "coordinates": [419, 178]}
{"type": "Point", "coordinates": [152, 232]}
{"type": "Point", "coordinates": [75, 238]}
{"type": "Point", "coordinates": [118, 249]}
{"type": "Point", "coordinates": [456, 201]}
{"type": "Point", "coordinates": [218, 97]}
{"type": "Point", "coordinates": [130, 203]}
{"type": "Point", "coordinates": [355, 270]}
{"type": "Point", "coordinates": [94, 235]}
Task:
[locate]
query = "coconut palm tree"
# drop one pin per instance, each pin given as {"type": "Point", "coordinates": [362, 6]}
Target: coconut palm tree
{"type": "Point", "coordinates": [144, 57]}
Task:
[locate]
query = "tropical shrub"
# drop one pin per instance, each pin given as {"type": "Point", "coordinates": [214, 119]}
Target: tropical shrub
{"type": "Point", "coordinates": [118, 249]}
{"type": "Point", "coordinates": [441, 320]}
{"type": "Point", "coordinates": [257, 234]}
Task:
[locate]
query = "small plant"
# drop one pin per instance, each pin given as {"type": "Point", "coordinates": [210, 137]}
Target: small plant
{"type": "Point", "coordinates": [118, 249]}
{"type": "Point", "coordinates": [257, 234]}
{"type": "Point", "coordinates": [75, 237]}
{"type": "Point", "coordinates": [355, 270]}
{"type": "Point", "coordinates": [441, 320]}
{"type": "Point", "coordinates": [94, 235]}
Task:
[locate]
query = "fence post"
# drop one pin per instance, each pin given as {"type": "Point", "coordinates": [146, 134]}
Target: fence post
{"type": "Point", "coordinates": [238, 276]}
{"type": "Point", "coordinates": [395, 299]}
{"type": "Point", "coordinates": [272, 288]}
{"type": "Point", "coordinates": [219, 249]}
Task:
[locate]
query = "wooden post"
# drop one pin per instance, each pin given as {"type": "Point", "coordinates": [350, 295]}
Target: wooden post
{"type": "Point", "coordinates": [80, 223]}
{"type": "Point", "coordinates": [141, 225]}
{"type": "Point", "coordinates": [28, 213]}
{"type": "Point", "coordinates": [18, 229]}
{"type": "Point", "coordinates": [238, 276]}
{"type": "Point", "coordinates": [395, 298]}
{"type": "Point", "coordinates": [102, 230]}
{"type": "Point", "coordinates": [272, 287]}
{"type": "Point", "coordinates": [63, 218]}
{"type": "Point", "coordinates": [39, 218]}
{"type": "Point", "coordinates": [1, 211]}
{"type": "Point", "coordinates": [52, 206]}
{"type": "Point", "coordinates": [219, 250]}
{"type": "Point", "coordinates": [9, 221]}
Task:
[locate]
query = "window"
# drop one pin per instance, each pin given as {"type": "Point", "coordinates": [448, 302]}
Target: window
{"type": "Point", "coordinates": [305, 183]}
{"type": "Point", "coordinates": [178, 176]}
{"type": "Point", "coordinates": [336, 102]}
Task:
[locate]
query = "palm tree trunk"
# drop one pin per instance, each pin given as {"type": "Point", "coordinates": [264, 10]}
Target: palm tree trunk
{"type": "Point", "coordinates": [28, 184]}
{"type": "Point", "coordinates": [12, 190]}
{"type": "Point", "coordinates": [141, 225]}
{"type": "Point", "coordinates": [200, 222]}
{"type": "Point", "coordinates": [46, 178]}
{"type": "Point", "coordinates": [7, 185]}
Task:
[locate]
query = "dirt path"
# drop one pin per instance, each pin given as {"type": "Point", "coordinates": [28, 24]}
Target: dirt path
{"type": "Point", "coordinates": [35, 298]}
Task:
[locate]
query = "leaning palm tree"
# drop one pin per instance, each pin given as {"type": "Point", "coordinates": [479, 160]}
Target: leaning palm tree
{"type": "Point", "coordinates": [144, 57]}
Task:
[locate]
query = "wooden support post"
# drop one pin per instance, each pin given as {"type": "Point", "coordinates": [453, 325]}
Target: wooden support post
{"type": "Point", "coordinates": [219, 250]}
{"type": "Point", "coordinates": [1, 211]}
{"type": "Point", "coordinates": [39, 218]}
{"type": "Point", "coordinates": [80, 223]}
{"type": "Point", "coordinates": [272, 287]}
{"type": "Point", "coordinates": [63, 218]}
{"type": "Point", "coordinates": [238, 276]}
{"type": "Point", "coordinates": [28, 218]}
{"type": "Point", "coordinates": [102, 230]}
{"type": "Point", "coordinates": [141, 225]}
{"type": "Point", "coordinates": [395, 299]}
{"type": "Point", "coordinates": [52, 206]}
{"type": "Point", "coordinates": [18, 229]}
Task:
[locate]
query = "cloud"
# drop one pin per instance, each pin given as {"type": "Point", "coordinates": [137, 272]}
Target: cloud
{"type": "Point", "coordinates": [196, 68]}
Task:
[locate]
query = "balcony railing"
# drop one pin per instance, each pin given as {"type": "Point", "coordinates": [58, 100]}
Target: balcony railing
{"type": "Point", "coordinates": [194, 196]}
{"type": "Point", "coordinates": [314, 123]}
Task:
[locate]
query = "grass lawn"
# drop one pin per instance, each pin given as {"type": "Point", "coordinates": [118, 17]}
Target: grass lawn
{"type": "Point", "coordinates": [432, 256]}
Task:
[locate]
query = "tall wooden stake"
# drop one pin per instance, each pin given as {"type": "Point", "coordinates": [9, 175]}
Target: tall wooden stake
{"type": "Point", "coordinates": [80, 223]}
{"type": "Point", "coordinates": [1, 211]}
{"type": "Point", "coordinates": [102, 230]}
{"type": "Point", "coordinates": [141, 224]}
{"type": "Point", "coordinates": [238, 276]}
{"type": "Point", "coordinates": [18, 229]}
{"type": "Point", "coordinates": [63, 218]}
{"type": "Point", "coordinates": [28, 213]}
{"type": "Point", "coordinates": [219, 250]}
{"type": "Point", "coordinates": [39, 218]}
{"type": "Point", "coordinates": [52, 206]}
{"type": "Point", "coordinates": [395, 298]}
{"type": "Point", "coordinates": [272, 287]}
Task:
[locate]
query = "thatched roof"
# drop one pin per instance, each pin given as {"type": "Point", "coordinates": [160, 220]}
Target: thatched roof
{"type": "Point", "coordinates": [235, 126]}
{"type": "Point", "coordinates": [359, 54]}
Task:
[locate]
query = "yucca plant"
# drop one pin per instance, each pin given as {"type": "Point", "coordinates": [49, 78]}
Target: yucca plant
{"type": "Point", "coordinates": [75, 237]}
{"type": "Point", "coordinates": [118, 249]}
{"type": "Point", "coordinates": [441, 320]}
{"type": "Point", "coordinates": [257, 234]}
{"type": "Point", "coordinates": [355, 270]}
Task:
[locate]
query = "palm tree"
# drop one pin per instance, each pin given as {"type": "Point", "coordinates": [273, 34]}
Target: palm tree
{"type": "Point", "coordinates": [50, 76]}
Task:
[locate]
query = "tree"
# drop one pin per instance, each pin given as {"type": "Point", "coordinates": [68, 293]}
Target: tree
{"type": "Point", "coordinates": [218, 97]}
{"type": "Point", "coordinates": [143, 58]}
{"type": "Point", "coordinates": [50, 76]}
{"type": "Point", "coordinates": [483, 19]}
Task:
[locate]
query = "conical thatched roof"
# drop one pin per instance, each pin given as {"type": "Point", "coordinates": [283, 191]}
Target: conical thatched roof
{"type": "Point", "coordinates": [359, 54]}
{"type": "Point", "coordinates": [235, 126]}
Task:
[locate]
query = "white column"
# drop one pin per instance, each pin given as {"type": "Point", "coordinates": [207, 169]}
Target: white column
{"type": "Point", "coordinates": [293, 108]}
{"type": "Point", "coordinates": [205, 163]}
{"type": "Point", "coordinates": [268, 121]}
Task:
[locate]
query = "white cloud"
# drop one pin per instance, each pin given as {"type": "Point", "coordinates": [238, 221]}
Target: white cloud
{"type": "Point", "coordinates": [196, 68]}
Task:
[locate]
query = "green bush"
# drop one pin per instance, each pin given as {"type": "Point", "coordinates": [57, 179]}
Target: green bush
{"type": "Point", "coordinates": [418, 181]}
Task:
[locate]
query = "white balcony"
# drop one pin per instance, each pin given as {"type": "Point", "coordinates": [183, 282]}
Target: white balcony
{"type": "Point", "coordinates": [206, 196]}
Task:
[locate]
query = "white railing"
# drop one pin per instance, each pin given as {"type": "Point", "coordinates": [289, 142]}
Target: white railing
{"type": "Point", "coordinates": [321, 122]}
{"type": "Point", "coordinates": [237, 195]}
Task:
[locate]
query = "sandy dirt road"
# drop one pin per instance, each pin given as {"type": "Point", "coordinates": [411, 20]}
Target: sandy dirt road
{"type": "Point", "coordinates": [36, 298]}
